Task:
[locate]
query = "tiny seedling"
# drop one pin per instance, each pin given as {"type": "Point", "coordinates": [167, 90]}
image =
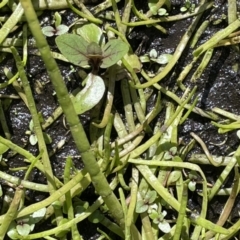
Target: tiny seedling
{"type": "Point", "coordinates": [145, 202]}
{"type": "Point", "coordinates": [23, 226]}
{"type": "Point", "coordinates": [153, 56]}
{"type": "Point", "coordinates": [80, 52]}
{"type": "Point", "coordinates": [193, 176]}
{"type": "Point", "coordinates": [86, 49]}
{"type": "Point", "coordinates": [188, 6]}
{"type": "Point", "coordinates": [50, 31]}
{"type": "Point", "coordinates": [156, 9]}
{"type": "Point", "coordinates": [159, 219]}
{"type": "Point", "coordinates": [162, 12]}
{"type": "Point", "coordinates": [59, 29]}
{"type": "Point", "coordinates": [170, 153]}
{"type": "Point", "coordinates": [32, 136]}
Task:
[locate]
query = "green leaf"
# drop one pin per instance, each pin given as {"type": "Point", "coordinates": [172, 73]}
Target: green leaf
{"type": "Point", "coordinates": [173, 150]}
{"type": "Point", "coordinates": [162, 11]}
{"type": "Point", "coordinates": [187, 4]}
{"type": "Point", "coordinates": [47, 138]}
{"type": "Point", "coordinates": [193, 175]}
{"type": "Point", "coordinates": [152, 6]}
{"type": "Point", "coordinates": [192, 186]}
{"type": "Point", "coordinates": [90, 95]}
{"type": "Point", "coordinates": [170, 153]}
{"type": "Point", "coordinates": [163, 58]}
{"type": "Point", "coordinates": [38, 215]}
{"type": "Point", "coordinates": [164, 227]}
{"type": "Point", "coordinates": [141, 206]}
{"type": "Point", "coordinates": [12, 231]}
{"type": "Point", "coordinates": [61, 29]}
{"type": "Point", "coordinates": [151, 196]}
{"type": "Point", "coordinates": [94, 49]}
{"type": "Point", "coordinates": [183, 9]}
{"type": "Point", "coordinates": [33, 139]}
{"type": "Point", "coordinates": [48, 31]}
{"type": "Point", "coordinates": [96, 217]}
{"type": "Point", "coordinates": [58, 19]}
{"type": "Point", "coordinates": [3, 148]}
{"type": "Point", "coordinates": [79, 210]}
{"type": "Point", "coordinates": [153, 53]}
{"type": "Point", "coordinates": [91, 33]}
{"type": "Point", "coordinates": [74, 48]}
{"type": "Point", "coordinates": [23, 229]}
{"type": "Point", "coordinates": [31, 126]}
{"type": "Point", "coordinates": [134, 61]}
{"type": "Point", "coordinates": [153, 215]}
{"type": "Point", "coordinates": [113, 51]}
{"type": "Point", "coordinates": [238, 134]}
{"type": "Point", "coordinates": [173, 177]}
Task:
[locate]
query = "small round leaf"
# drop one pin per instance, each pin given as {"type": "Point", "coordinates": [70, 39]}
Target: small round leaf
{"type": "Point", "coordinates": [173, 177]}
{"type": "Point", "coordinates": [192, 186]}
{"type": "Point", "coordinates": [13, 234]}
{"type": "Point", "coordinates": [164, 58]}
{"type": "Point", "coordinates": [162, 11]}
{"type": "Point", "coordinates": [164, 227]}
{"type": "Point", "coordinates": [151, 196]}
{"type": "Point", "coordinates": [57, 205]}
{"type": "Point", "coordinates": [91, 33]}
{"type": "Point", "coordinates": [23, 229]}
{"type": "Point", "coordinates": [38, 215]}
{"type": "Point", "coordinates": [153, 53]}
{"type": "Point", "coordinates": [96, 217]}
{"type": "Point", "coordinates": [12, 231]}
{"type": "Point", "coordinates": [183, 9]}
{"type": "Point", "coordinates": [152, 7]}
{"type": "Point", "coordinates": [61, 29]}
{"type": "Point", "coordinates": [90, 95]}
{"type": "Point", "coordinates": [33, 139]}
{"type": "Point", "coordinates": [141, 207]}
{"type": "Point", "coordinates": [48, 31]}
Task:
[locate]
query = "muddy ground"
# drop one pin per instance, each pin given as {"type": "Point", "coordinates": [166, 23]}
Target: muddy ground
{"type": "Point", "coordinates": [218, 87]}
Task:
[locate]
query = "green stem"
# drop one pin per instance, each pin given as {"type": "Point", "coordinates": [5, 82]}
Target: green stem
{"type": "Point", "coordinates": [4, 122]}
{"type": "Point", "coordinates": [36, 122]}
{"type": "Point", "coordinates": [199, 33]}
{"type": "Point", "coordinates": [217, 37]}
{"type": "Point", "coordinates": [11, 213]}
{"type": "Point", "coordinates": [126, 15]}
{"type": "Point", "coordinates": [142, 16]}
{"type": "Point", "coordinates": [110, 97]}
{"type": "Point", "coordinates": [177, 54]}
{"type": "Point", "coordinates": [102, 6]}
{"type": "Point", "coordinates": [182, 212]}
{"type": "Point", "coordinates": [178, 100]}
{"type": "Point", "coordinates": [98, 179]}
{"type": "Point", "coordinates": [83, 15]}
{"type": "Point", "coordinates": [70, 211]}
{"type": "Point", "coordinates": [11, 22]}
{"type": "Point", "coordinates": [127, 105]}
{"type": "Point", "coordinates": [3, 3]}
{"type": "Point", "coordinates": [25, 184]}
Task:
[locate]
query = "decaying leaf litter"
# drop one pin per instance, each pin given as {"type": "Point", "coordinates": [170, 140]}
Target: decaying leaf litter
{"type": "Point", "coordinates": [171, 114]}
